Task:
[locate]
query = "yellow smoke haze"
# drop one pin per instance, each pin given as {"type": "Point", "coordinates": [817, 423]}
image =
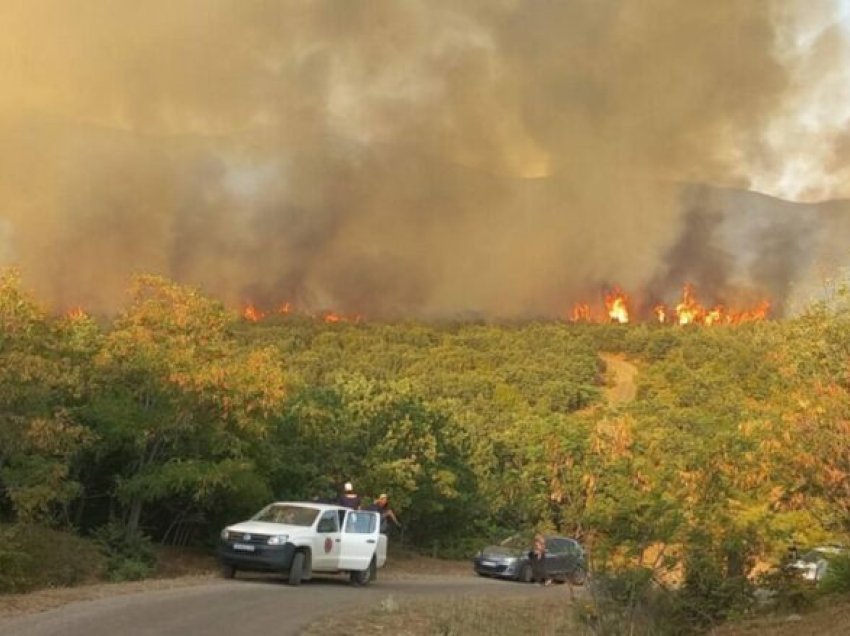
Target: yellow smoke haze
{"type": "Point", "coordinates": [395, 157]}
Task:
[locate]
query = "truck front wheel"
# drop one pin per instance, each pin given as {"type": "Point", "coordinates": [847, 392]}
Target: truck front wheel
{"type": "Point", "coordinates": [296, 570]}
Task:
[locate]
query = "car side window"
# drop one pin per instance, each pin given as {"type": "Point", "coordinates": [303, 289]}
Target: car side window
{"type": "Point", "coordinates": [361, 522]}
{"type": "Point", "coordinates": [328, 522]}
{"type": "Point", "coordinates": [556, 546]}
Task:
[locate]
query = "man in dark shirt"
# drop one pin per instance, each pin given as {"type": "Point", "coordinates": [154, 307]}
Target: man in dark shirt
{"type": "Point", "coordinates": [349, 498]}
{"type": "Point", "coordinates": [382, 505]}
{"type": "Point", "coordinates": [537, 555]}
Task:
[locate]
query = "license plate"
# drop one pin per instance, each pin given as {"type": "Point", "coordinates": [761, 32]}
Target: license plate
{"type": "Point", "coordinates": [244, 547]}
{"type": "Point", "coordinates": [488, 564]}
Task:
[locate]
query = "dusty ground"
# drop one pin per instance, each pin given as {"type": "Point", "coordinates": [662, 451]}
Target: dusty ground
{"type": "Point", "coordinates": [185, 568]}
{"type": "Point", "coordinates": [830, 618]}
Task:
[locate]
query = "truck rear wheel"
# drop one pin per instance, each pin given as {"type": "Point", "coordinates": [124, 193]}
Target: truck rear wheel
{"type": "Point", "coordinates": [364, 577]}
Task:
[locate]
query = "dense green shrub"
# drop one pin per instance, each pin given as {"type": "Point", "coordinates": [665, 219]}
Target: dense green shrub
{"type": "Point", "coordinates": [33, 557]}
{"type": "Point", "coordinates": [786, 590]}
{"type": "Point", "coordinates": [837, 578]}
{"type": "Point", "coordinates": [13, 562]}
{"type": "Point", "coordinates": [627, 601]}
{"type": "Point", "coordinates": [129, 557]}
{"type": "Point", "coordinates": [709, 595]}
{"type": "Point", "coordinates": [631, 601]}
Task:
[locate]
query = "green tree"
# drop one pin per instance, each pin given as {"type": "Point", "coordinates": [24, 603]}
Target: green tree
{"type": "Point", "coordinates": [40, 382]}
{"type": "Point", "coordinates": [179, 406]}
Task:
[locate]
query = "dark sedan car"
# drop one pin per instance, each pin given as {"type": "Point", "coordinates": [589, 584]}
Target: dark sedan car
{"type": "Point", "coordinates": [565, 560]}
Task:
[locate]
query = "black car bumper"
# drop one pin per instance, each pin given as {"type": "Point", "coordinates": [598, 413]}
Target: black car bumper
{"type": "Point", "coordinates": [262, 558]}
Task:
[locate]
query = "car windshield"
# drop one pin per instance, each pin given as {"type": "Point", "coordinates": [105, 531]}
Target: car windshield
{"type": "Point", "coordinates": [827, 552]}
{"type": "Point", "coordinates": [288, 514]}
{"type": "Point", "coordinates": [516, 541]}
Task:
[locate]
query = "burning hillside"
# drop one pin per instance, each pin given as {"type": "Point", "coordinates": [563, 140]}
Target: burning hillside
{"type": "Point", "coordinates": [252, 313]}
{"type": "Point", "coordinates": [617, 308]}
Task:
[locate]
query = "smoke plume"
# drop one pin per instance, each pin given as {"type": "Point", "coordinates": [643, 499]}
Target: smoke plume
{"type": "Point", "coordinates": [417, 157]}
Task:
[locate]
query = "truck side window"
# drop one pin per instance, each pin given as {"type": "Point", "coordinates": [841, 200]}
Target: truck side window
{"type": "Point", "coordinates": [361, 522]}
{"type": "Point", "coordinates": [328, 522]}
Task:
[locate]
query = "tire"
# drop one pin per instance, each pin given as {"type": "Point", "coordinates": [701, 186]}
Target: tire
{"type": "Point", "coordinates": [579, 576]}
{"type": "Point", "coordinates": [364, 577]}
{"type": "Point", "coordinates": [525, 574]}
{"type": "Point", "coordinates": [228, 571]}
{"type": "Point", "coordinates": [296, 570]}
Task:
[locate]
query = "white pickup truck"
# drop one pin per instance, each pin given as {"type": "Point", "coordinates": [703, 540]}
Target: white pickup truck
{"type": "Point", "coordinates": [300, 539]}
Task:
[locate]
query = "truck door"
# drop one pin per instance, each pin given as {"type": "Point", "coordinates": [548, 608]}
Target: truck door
{"type": "Point", "coordinates": [327, 542]}
{"type": "Point", "coordinates": [359, 539]}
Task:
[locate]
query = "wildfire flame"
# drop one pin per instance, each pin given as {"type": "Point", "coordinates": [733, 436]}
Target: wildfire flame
{"type": "Point", "coordinates": [688, 311]}
{"type": "Point", "coordinates": [617, 306]}
{"type": "Point", "coordinates": [252, 314]}
{"type": "Point", "coordinates": [76, 313]}
{"type": "Point", "coordinates": [580, 313]}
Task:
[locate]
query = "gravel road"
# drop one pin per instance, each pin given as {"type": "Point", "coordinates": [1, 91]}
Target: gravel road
{"type": "Point", "coordinates": [251, 606]}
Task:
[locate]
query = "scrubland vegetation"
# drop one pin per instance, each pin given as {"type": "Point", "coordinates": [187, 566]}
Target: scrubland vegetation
{"type": "Point", "coordinates": [163, 423]}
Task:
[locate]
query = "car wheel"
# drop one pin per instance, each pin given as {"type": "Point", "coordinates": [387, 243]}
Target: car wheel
{"type": "Point", "coordinates": [296, 569]}
{"type": "Point", "coordinates": [579, 576]}
{"type": "Point", "coordinates": [525, 574]}
{"type": "Point", "coordinates": [228, 571]}
{"type": "Point", "coordinates": [363, 577]}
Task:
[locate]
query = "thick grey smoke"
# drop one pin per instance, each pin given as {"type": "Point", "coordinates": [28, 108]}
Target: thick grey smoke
{"type": "Point", "coordinates": [396, 157]}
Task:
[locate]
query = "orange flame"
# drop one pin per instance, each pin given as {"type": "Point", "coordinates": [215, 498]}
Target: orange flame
{"type": "Point", "coordinates": [252, 313]}
{"type": "Point", "coordinates": [715, 316]}
{"type": "Point", "coordinates": [580, 313]}
{"type": "Point", "coordinates": [617, 306]}
{"type": "Point", "coordinates": [756, 314]}
{"type": "Point", "coordinates": [689, 311]}
{"type": "Point", "coordinates": [76, 313]}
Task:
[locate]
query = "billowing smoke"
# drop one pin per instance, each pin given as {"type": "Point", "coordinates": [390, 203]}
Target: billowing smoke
{"type": "Point", "coordinates": [414, 157]}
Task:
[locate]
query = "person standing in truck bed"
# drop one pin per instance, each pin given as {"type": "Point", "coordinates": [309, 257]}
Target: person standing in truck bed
{"type": "Point", "coordinates": [349, 498]}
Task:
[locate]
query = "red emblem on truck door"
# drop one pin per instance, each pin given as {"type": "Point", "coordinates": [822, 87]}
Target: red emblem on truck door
{"type": "Point", "coordinates": [328, 544]}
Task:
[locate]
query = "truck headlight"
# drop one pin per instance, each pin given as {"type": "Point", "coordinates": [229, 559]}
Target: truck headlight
{"type": "Point", "coordinates": [278, 539]}
{"type": "Point", "coordinates": [225, 535]}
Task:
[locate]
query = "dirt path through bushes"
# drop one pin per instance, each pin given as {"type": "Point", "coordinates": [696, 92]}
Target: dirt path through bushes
{"type": "Point", "coordinates": [623, 374]}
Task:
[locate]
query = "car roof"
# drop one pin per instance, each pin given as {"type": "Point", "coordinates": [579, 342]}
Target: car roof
{"type": "Point", "coordinates": [312, 504]}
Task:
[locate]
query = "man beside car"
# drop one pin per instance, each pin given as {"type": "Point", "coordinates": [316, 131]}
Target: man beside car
{"type": "Point", "coordinates": [537, 556]}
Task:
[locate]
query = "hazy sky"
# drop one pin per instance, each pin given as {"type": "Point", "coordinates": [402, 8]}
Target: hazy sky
{"type": "Point", "coordinates": [419, 157]}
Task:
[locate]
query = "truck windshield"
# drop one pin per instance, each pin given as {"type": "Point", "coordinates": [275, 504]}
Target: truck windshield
{"type": "Point", "coordinates": [287, 514]}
